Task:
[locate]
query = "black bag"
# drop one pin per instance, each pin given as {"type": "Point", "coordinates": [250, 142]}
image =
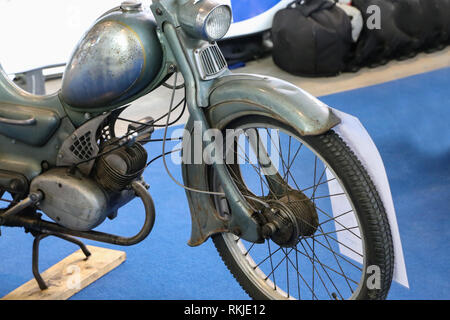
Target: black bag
{"type": "Point", "coordinates": [377, 46]}
{"type": "Point", "coordinates": [443, 9]}
{"type": "Point", "coordinates": [243, 49]}
{"type": "Point", "coordinates": [407, 27]}
{"type": "Point", "coordinates": [417, 18]}
{"type": "Point", "coordinates": [426, 21]}
{"type": "Point", "coordinates": [311, 38]}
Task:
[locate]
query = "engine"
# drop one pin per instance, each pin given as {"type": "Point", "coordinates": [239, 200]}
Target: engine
{"type": "Point", "coordinates": [81, 202]}
{"type": "Point", "coordinates": [118, 168]}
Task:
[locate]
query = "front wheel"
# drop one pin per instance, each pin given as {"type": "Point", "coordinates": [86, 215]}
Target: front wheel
{"type": "Point", "coordinates": [333, 239]}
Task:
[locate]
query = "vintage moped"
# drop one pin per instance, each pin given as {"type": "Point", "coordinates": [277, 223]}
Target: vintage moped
{"type": "Point", "coordinates": [268, 206]}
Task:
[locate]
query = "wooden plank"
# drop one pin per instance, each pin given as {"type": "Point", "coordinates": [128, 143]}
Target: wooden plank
{"type": "Point", "coordinates": [70, 275]}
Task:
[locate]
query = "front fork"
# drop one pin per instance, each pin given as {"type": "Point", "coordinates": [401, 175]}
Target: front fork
{"type": "Point", "coordinates": [244, 221]}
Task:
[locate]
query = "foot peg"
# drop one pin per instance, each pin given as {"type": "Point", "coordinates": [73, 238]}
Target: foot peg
{"type": "Point", "coordinates": [36, 242]}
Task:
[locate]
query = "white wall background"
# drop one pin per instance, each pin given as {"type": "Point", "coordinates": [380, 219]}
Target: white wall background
{"type": "Point", "coordinates": [35, 33]}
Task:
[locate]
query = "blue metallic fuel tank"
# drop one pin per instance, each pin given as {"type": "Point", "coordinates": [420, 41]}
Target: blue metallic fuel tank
{"type": "Point", "coordinates": [115, 60]}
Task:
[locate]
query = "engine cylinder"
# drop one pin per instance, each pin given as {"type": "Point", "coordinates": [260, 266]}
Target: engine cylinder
{"type": "Point", "coordinates": [118, 168]}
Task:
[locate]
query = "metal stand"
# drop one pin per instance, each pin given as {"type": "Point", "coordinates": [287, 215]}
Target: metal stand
{"type": "Point", "coordinates": [36, 242]}
{"type": "Point", "coordinates": [24, 215]}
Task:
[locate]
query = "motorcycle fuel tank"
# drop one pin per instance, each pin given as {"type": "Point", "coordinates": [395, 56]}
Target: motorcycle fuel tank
{"type": "Point", "coordinates": [117, 58]}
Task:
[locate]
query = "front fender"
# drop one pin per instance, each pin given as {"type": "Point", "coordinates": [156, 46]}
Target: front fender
{"type": "Point", "coordinates": [235, 96]}
{"type": "Point", "coordinates": [247, 94]}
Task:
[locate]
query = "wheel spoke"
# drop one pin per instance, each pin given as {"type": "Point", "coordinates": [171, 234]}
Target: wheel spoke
{"type": "Point", "coordinates": [299, 275]}
{"type": "Point", "coordinates": [265, 259]}
{"type": "Point", "coordinates": [279, 263]}
{"type": "Point", "coordinates": [320, 179]}
{"type": "Point", "coordinates": [337, 261]}
{"type": "Point", "coordinates": [298, 272]}
{"type": "Point", "coordinates": [320, 278]}
{"type": "Point", "coordinates": [251, 247]}
{"type": "Point", "coordinates": [338, 254]}
{"type": "Point", "coordinates": [271, 264]}
{"type": "Point", "coordinates": [292, 162]}
{"type": "Point", "coordinates": [327, 266]}
{"type": "Point", "coordinates": [331, 232]}
{"type": "Point", "coordinates": [322, 265]}
{"type": "Point", "coordinates": [287, 271]}
{"type": "Point", "coordinates": [316, 185]}
{"type": "Point", "coordinates": [329, 196]}
{"type": "Point", "coordinates": [282, 161]}
{"type": "Point", "coordinates": [344, 245]}
{"type": "Point", "coordinates": [334, 218]}
{"type": "Point", "coordinates": [257, 170]}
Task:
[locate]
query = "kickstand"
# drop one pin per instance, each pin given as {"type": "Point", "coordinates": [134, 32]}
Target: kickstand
{"type": "Point", "coordinates": [36, 242]}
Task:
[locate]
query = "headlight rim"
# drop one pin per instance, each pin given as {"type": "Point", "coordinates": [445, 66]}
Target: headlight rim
{"type": "Point", "coordinates": [193, 18]}
{"type": "Point", "coordinates": [205, 34]}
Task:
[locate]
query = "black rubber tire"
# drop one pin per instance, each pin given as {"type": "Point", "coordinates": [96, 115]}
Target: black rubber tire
{"type": "Point", "coordinates": [369, 207]}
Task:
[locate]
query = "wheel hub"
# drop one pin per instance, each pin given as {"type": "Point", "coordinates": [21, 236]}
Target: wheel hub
{"type": "Point", "coordinates": [289, 218]}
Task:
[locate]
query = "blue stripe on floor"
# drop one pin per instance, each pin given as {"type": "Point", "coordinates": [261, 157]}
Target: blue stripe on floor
{"type": "Point", "coordinates": [408, 120]}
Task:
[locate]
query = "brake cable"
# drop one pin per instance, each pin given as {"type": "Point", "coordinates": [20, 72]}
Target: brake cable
{"type": "Point", "coordinates": [165, 162]}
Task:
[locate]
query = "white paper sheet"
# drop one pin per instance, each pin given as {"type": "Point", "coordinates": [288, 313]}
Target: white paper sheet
{"type": "Point", "coordinates": [358, 139]}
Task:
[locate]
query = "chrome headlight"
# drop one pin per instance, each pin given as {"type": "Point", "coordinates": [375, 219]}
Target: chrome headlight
{"type": "Point", "coordinates": [205, 19]}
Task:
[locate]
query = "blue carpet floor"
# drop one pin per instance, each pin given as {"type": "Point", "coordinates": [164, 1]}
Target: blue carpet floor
{"type": "Point", "coordinates": [408, 120]}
